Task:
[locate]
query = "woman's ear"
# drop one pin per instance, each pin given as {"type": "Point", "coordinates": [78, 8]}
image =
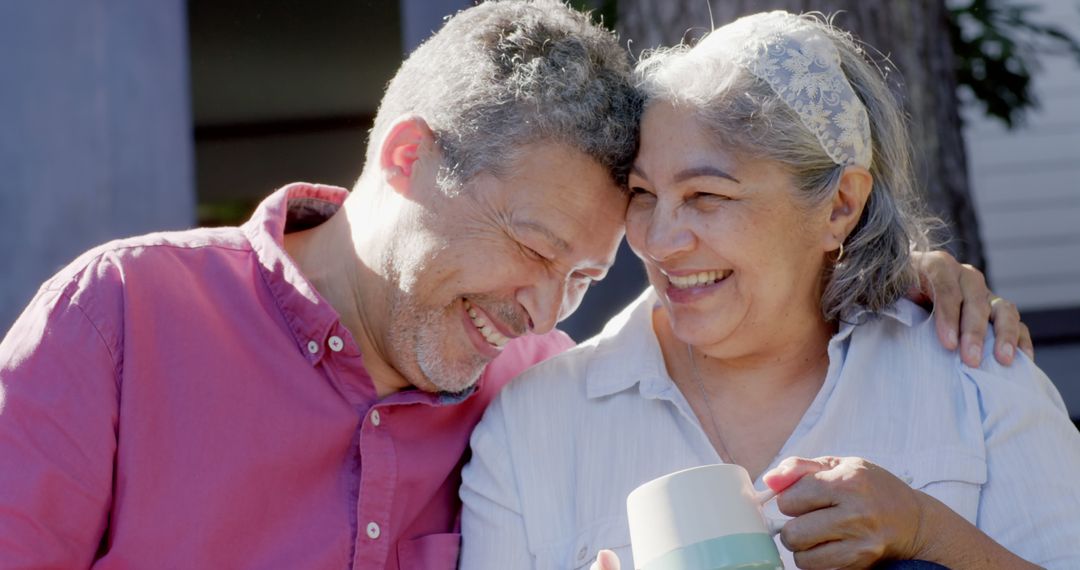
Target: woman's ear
{"type": "Point", "coordinates": [847, 205]}
{"type": "Point", "coordinates": [407, 144]}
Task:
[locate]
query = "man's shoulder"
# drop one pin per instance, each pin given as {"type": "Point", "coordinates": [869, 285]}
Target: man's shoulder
{"type": "Point", "coordinates": [101, 281]}
{"type": "Point", "coordinates": [112, 261]}
{"type": "Point", "coordinates": [158, 243]}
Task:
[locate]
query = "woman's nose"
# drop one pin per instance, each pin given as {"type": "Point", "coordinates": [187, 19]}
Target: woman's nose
{"type": "Point", "coordinates": [667, 235]}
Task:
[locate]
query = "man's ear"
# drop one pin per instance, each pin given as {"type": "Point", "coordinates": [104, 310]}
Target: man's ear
{"type": "Point", "coordinates": [408, 143]}
{"type": "Point", "coordinates": [847, 205]}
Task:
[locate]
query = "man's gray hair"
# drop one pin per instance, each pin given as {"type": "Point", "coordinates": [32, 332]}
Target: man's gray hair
{"type": "Point", "coordinates": [746, 115]}
{"type": "Point", "coordinates": [508, 73]}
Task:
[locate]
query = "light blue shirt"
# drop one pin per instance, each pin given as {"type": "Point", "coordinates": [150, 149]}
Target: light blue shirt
{"type": "Point", "coordinates": [559, 450]}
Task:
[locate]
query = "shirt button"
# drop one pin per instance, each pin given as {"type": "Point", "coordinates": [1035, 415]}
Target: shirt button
{"type": "Point", "coordinates": [372, 530]}
{"type": "Point", "coordinates": [312, 347]}
{"type": "Point", "coordinates": [375, 418]}
{"type": "Point", "coordinates": [336, 344]}
{"type": "Point", "coordinates": [582, 552]}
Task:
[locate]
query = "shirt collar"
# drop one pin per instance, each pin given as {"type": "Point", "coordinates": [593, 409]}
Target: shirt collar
{"type": "Point", "coordinates": [295, 207]}
{"type": "Point", "coordinates": [903, 311]}
{"type": "Point", "coordinates": [627, 352]}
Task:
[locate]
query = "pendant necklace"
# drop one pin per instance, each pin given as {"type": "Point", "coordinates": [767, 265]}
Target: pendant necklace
{"type": "Point", "coordinates": [723, 450]}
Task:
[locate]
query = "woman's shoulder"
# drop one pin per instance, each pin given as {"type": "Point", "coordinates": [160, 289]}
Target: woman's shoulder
{"type": "Point", "coordinates": [555, 387]}
{"type": "Point", "coordinates": [614, 358]}
{"type": "Point", "coordinates": [901, 343]}
{"type": "Point", "coordinates": [903, 330]}
{"type": "Point", "coordinates": [908, 330]}
{"type": "Point", "coordinates": [546, 382]}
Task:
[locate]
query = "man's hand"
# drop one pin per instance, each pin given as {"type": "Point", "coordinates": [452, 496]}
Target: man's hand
{"type": "Point", "coordinates": [849, 513]}
{"type": "Point", "coordinates": [963, 303]}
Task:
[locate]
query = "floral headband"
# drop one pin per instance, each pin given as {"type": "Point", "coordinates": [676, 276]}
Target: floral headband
{"type": "Point", "coordinates": [802, 66]}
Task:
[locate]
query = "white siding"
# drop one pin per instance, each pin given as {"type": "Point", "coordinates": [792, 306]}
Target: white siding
{"type": "Point", "coordinates": [1026, 184]}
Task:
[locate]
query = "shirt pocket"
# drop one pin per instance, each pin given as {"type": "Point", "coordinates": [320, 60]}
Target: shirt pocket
{"type": "Point", "coordinates": [953, 477]}
{"type": "Point", "coordinates": [433, 551]}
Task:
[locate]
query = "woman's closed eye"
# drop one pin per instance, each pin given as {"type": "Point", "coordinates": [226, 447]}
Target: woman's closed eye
{"type": "Point", "coordinates": [706, 199]}
{"type": "Point", "coordinates": [708, 196]}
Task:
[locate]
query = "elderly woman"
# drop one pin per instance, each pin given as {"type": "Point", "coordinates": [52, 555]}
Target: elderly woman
{"type": "Point", "coordinates": [773, 206]}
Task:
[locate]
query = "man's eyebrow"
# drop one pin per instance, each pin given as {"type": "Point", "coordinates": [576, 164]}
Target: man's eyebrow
{"type": "Point", "coordinates": [562, 245]}
{"type": "Point", "coordinates": [697, 171]}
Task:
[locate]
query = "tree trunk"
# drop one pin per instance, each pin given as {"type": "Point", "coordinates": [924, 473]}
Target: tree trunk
{"type": "Point", "coordinates": [912, 33]}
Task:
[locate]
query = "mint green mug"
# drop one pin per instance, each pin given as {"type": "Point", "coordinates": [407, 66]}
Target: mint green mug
{"type": "Point", "coordinates": [703, 518]}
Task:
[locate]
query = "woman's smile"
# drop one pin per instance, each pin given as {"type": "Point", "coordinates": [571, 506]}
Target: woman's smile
{"type": "Point", "coordinates": [689, 286]}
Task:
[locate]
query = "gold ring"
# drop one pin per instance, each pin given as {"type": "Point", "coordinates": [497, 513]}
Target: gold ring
{"type": "Point", "coordinates": [994, 299]}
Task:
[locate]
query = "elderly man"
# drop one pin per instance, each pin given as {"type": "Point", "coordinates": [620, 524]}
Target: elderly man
{"type": "Point", "coordinates": [298, 392]}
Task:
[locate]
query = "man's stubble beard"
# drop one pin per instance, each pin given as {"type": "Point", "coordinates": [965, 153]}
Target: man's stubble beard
{"type": "Point", "coordinates": [420, 334]}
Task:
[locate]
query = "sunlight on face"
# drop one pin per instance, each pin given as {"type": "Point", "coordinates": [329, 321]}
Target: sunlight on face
{"type": "Point", "coordinates": [731, 255]}
{"type": "Point", "coordinates": [502, 258]}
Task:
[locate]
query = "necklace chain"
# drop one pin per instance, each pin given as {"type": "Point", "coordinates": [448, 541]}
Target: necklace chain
{"type": "Point", "coordinates": [723, 451]}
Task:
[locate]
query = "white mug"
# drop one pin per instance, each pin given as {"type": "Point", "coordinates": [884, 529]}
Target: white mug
{"type": "Point", "coordinates": [703, 518]}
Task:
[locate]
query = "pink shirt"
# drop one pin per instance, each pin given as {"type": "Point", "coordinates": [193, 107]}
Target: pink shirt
{"type": "Point", "coordinates": [188, 400]}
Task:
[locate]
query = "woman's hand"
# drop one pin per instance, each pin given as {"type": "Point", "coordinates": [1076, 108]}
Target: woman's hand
{"type": "Point", "coordinates": [606, 560]}
{"type": "Point", "coordinates": [849, 513]}
{"type": "Point", "coordinates": [962, 302]}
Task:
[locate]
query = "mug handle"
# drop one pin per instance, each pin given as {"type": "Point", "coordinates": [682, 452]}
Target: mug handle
{"type": "Point", "coordinates": [774, 525]}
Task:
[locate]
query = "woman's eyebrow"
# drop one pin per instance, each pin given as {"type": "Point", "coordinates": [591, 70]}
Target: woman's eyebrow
{"type": "Point", "coordinates": [692, 172]}
{"type": "Point", "coordinates": [698, 171]}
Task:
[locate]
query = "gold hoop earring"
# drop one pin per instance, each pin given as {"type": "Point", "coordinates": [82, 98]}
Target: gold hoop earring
{"type": "Point", "coordinates": [840, 255]}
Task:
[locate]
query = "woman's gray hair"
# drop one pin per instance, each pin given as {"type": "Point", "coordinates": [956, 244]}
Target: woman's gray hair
{"type": "Point", "coordinates": [508, 73]}
{"type": "Point", "coordinates": [748, 117]}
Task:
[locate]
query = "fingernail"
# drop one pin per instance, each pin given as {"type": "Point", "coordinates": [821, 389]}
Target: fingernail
{"type": "Point", "coordinates": [974, 352]}
{"type": "Point", "coordinates": [1007, 351]}
{"type": "Point", "coordinates": [953, 338]}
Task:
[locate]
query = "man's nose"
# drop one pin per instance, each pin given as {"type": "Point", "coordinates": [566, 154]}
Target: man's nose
{"type": "Point", "coordinates": [543, 301]}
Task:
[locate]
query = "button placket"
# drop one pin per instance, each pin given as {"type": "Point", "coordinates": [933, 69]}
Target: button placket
{"type": "Point", "coordinates": [378, 488]}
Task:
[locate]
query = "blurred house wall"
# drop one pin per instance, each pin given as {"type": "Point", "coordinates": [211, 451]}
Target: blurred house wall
{"type": "Point", "coordinates": [95, 132]}
{"type": "Point", "coordinates": [1026, 187]}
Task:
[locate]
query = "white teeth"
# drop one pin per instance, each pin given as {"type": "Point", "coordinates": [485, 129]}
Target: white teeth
{"type": "Point", "coordinates": [490, 334]}
{"type": "Point", "coordinates": [702, 278]}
